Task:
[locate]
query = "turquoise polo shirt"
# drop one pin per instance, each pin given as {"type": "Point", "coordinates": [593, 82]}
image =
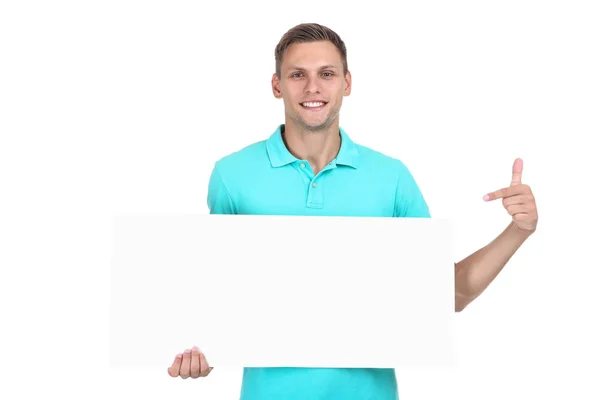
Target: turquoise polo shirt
{"type": "Point", "coordinates": [264, 178]}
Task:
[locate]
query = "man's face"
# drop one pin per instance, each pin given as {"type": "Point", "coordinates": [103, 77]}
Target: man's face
{"type": "Point", "coordinates": [312, 84]}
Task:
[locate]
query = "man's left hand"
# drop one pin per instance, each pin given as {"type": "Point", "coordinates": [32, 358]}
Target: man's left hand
{"type": "Point", "coordinates": [518, 200]}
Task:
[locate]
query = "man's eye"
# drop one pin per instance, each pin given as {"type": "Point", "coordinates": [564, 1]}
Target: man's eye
{"type": "Point", "coordinates": [296, 75]}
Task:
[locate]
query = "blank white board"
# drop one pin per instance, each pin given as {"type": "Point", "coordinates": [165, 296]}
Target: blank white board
{"type": "Point", "coordinates": [274, 291]}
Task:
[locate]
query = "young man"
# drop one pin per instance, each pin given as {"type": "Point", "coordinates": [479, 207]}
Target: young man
{"type": "Point", "coordinates": [311, 166]}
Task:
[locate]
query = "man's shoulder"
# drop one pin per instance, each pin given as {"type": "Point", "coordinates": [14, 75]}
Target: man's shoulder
{"type": "Point", "coordinates": [382, 161]}
{"type": "Point", "coordinates": [409, 201]}
{"type": "Point", "coordinates": [243, 158]}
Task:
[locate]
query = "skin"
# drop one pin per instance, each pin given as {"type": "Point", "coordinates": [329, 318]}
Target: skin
{"type": "Point", "coordinates": [314, 71]}
{"type": "Point", "coordinates": [189, 364]}
{"type": "Point", "coordinates": [476, 272]}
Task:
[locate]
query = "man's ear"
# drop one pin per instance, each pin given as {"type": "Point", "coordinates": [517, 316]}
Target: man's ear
{"type": "Point", "coordinates": [275, 86]}
{"type": "Point", "coordinates": [347, 84]}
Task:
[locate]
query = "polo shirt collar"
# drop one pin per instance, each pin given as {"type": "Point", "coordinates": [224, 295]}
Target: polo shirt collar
{"type": "Point", "coordinates": [279, 155]}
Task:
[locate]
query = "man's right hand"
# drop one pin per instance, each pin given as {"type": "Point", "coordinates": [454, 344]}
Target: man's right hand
{"type": "Point", "coordinates": [190, 364]}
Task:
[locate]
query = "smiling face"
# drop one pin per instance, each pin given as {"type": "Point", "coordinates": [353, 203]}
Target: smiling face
{"type": "Point", "coordinates": [312, 85]}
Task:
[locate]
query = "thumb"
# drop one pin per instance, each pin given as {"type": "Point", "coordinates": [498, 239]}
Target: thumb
{"type": "Point", "coordinates": [517, 172]}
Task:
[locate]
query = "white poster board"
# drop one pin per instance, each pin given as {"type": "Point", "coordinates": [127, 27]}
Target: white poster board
{"type": "Point", "coordinates": [255, 291]}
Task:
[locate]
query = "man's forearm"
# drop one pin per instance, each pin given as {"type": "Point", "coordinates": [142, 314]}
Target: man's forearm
{"type": "Point", "coordinates": [474, 274]}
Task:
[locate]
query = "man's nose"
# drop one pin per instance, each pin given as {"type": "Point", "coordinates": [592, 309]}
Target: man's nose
{"type": "Point", "coordinates": [312, 85]}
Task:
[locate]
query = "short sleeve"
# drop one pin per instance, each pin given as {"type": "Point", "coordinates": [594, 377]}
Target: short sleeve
{"type": "Point", "coordinates": [218, 199]}
{"type": "Point", "coordinates": [410, 202]}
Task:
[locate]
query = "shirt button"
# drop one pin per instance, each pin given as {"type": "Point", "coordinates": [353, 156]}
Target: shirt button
{"type": "Point", "coordinates": [314, 185]}
{"type": "Point", "coordinates": [302, 165]}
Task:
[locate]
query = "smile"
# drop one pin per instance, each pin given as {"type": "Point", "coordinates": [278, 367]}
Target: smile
{"type": "Point", "coordinates": [313, 105]}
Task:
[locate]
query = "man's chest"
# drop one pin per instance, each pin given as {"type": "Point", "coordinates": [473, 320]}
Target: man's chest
{"type": "Point", "coordinates": [329, 194]}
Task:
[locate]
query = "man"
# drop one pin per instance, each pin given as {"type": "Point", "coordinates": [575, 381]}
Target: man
{"type": "Point", "coordinates": [310, 166]}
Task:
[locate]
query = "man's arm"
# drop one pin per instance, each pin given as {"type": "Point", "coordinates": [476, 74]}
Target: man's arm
{"type": "Point", "coordinates": [475, 273]}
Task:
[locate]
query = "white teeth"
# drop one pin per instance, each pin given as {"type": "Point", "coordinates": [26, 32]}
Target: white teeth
{"type": "Point", "coordinates": [313, 104]}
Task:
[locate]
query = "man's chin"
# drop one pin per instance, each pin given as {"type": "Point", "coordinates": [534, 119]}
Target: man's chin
{"type": "Point", "coordinates": [311, 126]}
{"type": "Point", "coordinates": [316, 126]}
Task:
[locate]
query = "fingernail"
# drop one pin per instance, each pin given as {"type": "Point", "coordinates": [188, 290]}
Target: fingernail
{"type": "Point", "coordinates": [179, 355]}
{"type": "Point", "coordinates": [486, 197]}
{"type": "Point", "coordinates": [187, 351]}
{"type": "Point", "coordinates": [195, 348]}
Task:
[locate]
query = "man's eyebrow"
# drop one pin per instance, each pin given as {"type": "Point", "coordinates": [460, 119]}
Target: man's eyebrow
{"type": "Point", "coordinates": [296, 68]}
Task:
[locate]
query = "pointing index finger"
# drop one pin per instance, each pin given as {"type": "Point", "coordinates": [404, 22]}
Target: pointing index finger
{"type": "Point", "coordinates": [502, 193]}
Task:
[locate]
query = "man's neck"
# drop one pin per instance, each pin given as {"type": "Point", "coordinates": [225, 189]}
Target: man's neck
{"type": "Point", "coordinates": [319, 148]}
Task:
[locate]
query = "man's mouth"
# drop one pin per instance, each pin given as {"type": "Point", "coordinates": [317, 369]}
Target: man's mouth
{"type": "Point", "coordinates": [313, 105]}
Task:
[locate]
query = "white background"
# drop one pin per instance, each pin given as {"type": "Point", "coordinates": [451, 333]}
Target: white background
{"type": "Point", "coordinates": [122, 106]}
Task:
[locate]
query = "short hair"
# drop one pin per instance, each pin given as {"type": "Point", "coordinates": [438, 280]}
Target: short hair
{"type": "Point", "coordinates": [305, 33]}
